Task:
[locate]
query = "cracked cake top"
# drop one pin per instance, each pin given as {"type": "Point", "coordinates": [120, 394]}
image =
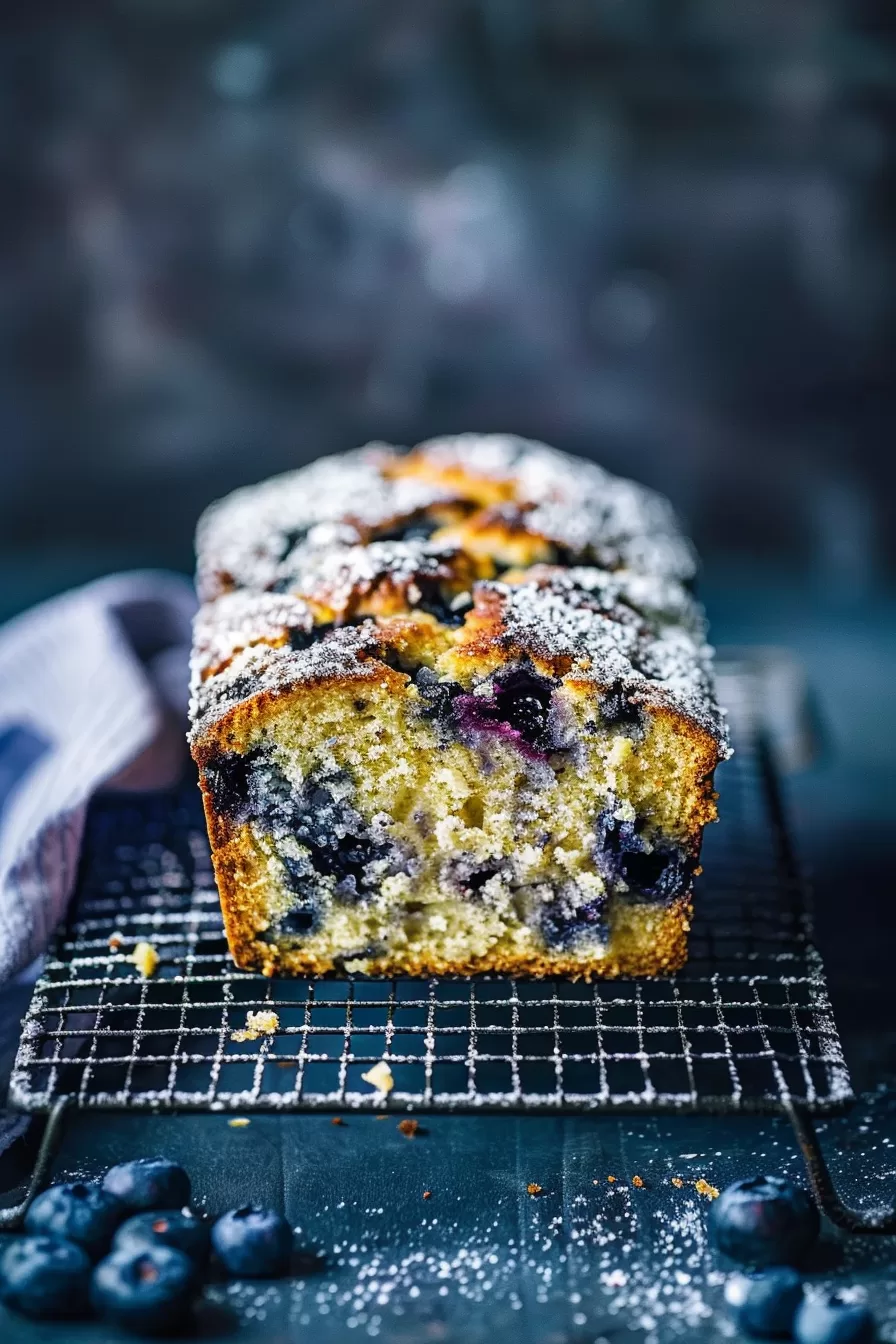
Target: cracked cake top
{"type": "Point", "coordinates": [461, 555]}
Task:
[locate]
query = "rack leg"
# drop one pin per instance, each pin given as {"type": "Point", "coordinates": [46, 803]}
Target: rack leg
{"type": "Point", "coordinates": [11, 1219]}
{"type": "Point", "coordinates": [880, 1221]}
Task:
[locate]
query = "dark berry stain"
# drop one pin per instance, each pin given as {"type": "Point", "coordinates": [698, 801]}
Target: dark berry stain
{"type": "Point", "coordinates": [517, 709]}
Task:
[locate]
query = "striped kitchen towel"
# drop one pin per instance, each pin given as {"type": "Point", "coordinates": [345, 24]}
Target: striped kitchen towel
{"type": "Point", "coordinates": [93, 691]}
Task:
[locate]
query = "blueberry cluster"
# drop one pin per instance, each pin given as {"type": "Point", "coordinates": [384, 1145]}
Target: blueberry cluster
{"type": "Point", "coordinates": [251, 787]}
{"type": "Point", "coordinates": [651, 869]}
{"type": "Point", "coordinates": [770, 1224]}
{"type": "Point", "coordinates": [131, 1250]}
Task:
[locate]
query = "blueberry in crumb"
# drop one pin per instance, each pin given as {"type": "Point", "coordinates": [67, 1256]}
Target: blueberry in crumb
{"type": "Point", "coordinates": [437, 696]}
{"type": "Point", "coordinates": [79, 1211]}
{"type": "Point", "coordinates": [563, 923]}
{"type": "Point", "coordinates": [228, 779]}
{"type": "Point", "coordinates": [149, 1291]}
{"type": "Point", "coordinates": [302, 918]}
{"type": "Point", "coordinates": [765, 1304]}
{"type": "Point", "coordinates": [649, 868]}
{"type": "Point", "coordinates": [45, 1277]}
{"type": "Point", "coordinates": [335, 835]}
{"type": "Point", "coordinates": [523, 699]}
{"type": "Point", "coordinates": [180, 1228]}
{"type": "Point", "coordinates": [617, 710]}
{"type": "Point", "coordinates": [252, 1242]}
{"type": "Point", "coordinates": [831, 1319]}
{"type": "Point", "coordinates": [765, 1220]}
{"type": "Point", "coordinates": [148, 1183]}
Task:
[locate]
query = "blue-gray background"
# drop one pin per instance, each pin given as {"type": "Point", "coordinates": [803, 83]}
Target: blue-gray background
{"type": "Point", "coordinates": [657, 232]}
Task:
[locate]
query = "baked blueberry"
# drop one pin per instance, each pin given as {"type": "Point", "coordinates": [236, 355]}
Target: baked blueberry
{"type": "Point", "coordinates": [252, 1242]}
{"type": "Point", "coordinates": [831, 1319]}
{"type": "Point", "coordinates": [79, 1211]}
{"type": "Point", "coordinates": [765, 1304]}
{"type": "Point", "coordinates": [180, 1228]}
{"type": "Point", "coordinates": [45, 1277]}
{"type": "Point", "coordinates": [765, 1220]}
{"type": "Point", "coordinates": [149, 1291]}
{"type": "Point", "coordinates": [563, 924]}
{"type": "Point", "coordinates": [523, 700]}
{"type": "Point", "coordinates": [148, 1183]}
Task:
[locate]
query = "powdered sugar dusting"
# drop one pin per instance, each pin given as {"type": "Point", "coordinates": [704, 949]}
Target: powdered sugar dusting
{"type": "Point", "coordinates": [624, 618]}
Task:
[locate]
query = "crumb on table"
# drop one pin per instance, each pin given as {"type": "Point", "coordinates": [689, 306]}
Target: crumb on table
{"type": "Point", "coordinates": [409, 1128]}
{"type": "Point", "coordinates": [677, 1182]}
{"type": "Point", "coordinates": [534, 1189]}
{"type": "Point", "coordinates": [612, 1180]}
{"type": "Point", "coordinates": [637, 1182]}
{"type": "Point", "coordinates": [239, 1122]}
{"type": "Point", "coordinates": [263, 1023]}
{"type": "Point", "coordinates": [337, 1120]}
{"type": "Point", "coordinates": [427, 1194]}
{"type": "Point", "coordinates": [380, 1077]}
{"type": "Point", "coordinates": [146, 959]}
{"type": "Point", "coordinates": [704, 1188]}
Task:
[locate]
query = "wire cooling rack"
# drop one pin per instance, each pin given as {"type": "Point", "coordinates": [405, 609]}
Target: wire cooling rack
{"type": "Point", "coordinates": [748, 1024]}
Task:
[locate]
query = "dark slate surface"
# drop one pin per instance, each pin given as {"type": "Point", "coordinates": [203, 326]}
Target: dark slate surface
{"type": "Point", "coordinates": [481, 1259]}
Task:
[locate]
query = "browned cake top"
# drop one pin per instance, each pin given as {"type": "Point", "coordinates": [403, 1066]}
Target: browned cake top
{"type": "Point", "coordinates": [493, 547]}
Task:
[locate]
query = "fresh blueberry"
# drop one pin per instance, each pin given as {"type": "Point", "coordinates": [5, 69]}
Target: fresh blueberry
{"type": "Point", "coordinates": [252, 1242]}
{"type": "Point", "coordinates": [148, 1291]}
{"type": "Point", "coordinates": [80, 1211]}
{"type": "Point", "coordinates": [831, 1319]}
{"type": "Point", "coordinates": [180, 1228]}
{"type": "Point", "coordinates": [45, 1277]}
{"type": "Point", "coordinates": [765, 1304]}
{"type": "Point", "coordinates": [766, 1220]}
{"type": "Point", "coordinates": [148, 1183]}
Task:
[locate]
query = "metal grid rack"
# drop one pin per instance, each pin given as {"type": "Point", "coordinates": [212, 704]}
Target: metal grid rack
{"type": "Point", "coordinates": [748, 1024]}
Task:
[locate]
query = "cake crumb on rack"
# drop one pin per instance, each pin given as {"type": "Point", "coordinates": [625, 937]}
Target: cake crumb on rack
{"type": "Point", "coordinates": [146, 959]}
{"type": "Point", "coordinates": [380, 1077]}
{"type": "Point", "coordinates": [409, 1128]}
{"type": "Point", "coordinates": [263, 1023]}
{"type": "Point", "coordinates": [704, 1188]}
{"type": "Point", "coordinates": [116, 939]}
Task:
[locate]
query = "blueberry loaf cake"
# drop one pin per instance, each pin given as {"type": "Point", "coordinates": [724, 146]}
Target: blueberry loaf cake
{"type": "Point", "coordinates": [453, 712]}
